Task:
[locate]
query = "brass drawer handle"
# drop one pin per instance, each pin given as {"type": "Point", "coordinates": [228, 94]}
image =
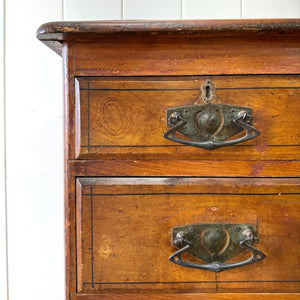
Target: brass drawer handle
{"type": "Point", "coordinates": [210, 125]}
{"type": "Point", "coordinates": [215, 244]}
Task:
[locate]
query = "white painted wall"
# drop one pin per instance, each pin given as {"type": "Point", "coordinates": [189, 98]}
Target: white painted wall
{"type": "Point", "coordinates": [3, 258]}
{"type": "Point", "coordinates": [34, 142]}
{"type": "Point", "coordinates": [31, 126]}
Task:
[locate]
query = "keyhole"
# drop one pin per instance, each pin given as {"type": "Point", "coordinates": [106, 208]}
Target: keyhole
{"type": "Point", "coordinates": [207, 92]}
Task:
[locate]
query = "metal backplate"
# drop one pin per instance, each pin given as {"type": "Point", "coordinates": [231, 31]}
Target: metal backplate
{"type": "Point", "coordinates": [213, 242]}
{"type": "Point", "coordinates": [210, 126]}
{"type": "Point", "coordinates": [209, 122]}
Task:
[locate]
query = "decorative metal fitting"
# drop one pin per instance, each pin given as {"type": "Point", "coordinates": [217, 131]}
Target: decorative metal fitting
{"type": "Point", "coordinates": [215, 244]}
{"type": "Point", "coordinates": [209, 126]}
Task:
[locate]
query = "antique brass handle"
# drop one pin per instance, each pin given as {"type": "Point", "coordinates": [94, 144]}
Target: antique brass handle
{"type": "Point", "coordinates": [215, 244]}
{"type": "Point", "coordinates": [210, 126]}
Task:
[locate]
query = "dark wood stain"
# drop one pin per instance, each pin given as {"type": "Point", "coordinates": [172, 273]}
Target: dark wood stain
{"type": "Point", "coordinates": [126, 187]}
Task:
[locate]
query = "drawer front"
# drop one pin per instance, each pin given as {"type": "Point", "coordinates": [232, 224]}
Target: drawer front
{"type": "Point", "coordinates": [125, 118]}
{"type": "Point", "coordinates": [124, 233]}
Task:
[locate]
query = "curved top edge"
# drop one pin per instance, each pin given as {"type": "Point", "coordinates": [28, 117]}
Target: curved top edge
{"type": "Point", "coordinates": [57, 30]}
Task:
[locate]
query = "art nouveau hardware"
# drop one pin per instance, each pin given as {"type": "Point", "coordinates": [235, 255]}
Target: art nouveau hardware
{"type": "Point", "coordinates": [215, 244]}
{"type": "Point", "coordinates": [210, 126]}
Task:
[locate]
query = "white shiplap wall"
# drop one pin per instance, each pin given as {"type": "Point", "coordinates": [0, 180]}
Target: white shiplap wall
{"type": "Point", "coordinates": [34, 142]}
{"type": "Point", "coordinates": [31, 137]}
{"type": "Point", "coordinates": [3, 258]}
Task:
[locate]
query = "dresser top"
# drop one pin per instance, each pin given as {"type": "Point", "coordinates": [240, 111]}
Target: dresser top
{"type": "Point", "coordinates": [54, 33]}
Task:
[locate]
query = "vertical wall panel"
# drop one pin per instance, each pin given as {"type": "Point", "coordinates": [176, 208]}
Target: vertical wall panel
{"type": "Point", "coordinates": [34, 154]}
{"type": "Point", "coordinates": [271, 9]}
{"type": "Point", "coordinates": [3, 279]}
{"type": "Point", "coordinates": [213, 9]}
{"type": "Point", "coordinates": [152, 9]}
{"type": "Point", "coordinates": [77, 10]}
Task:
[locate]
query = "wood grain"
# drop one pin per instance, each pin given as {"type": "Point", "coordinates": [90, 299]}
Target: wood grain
{"type": "Point", "coordinates": [188, 296]}
{"type": "Point", "coordinates": [125, 118]}
{"type": "Point", "coordinates": [212, 168]}
{"type": "Point", "coordinates": [182, 185]}
{"type": "Point", "coordinates": [125, 186]}
{"type": "Point", "coordinates": [88, 27]}
{"type": "Point", "coordinates": [54, 32]}
{"type": "Point", "coordinates": [69, 180]}
{"type": "Point", "coordinates": [129, 243]}
{"type": "Point", "coordinates": [150, 55]}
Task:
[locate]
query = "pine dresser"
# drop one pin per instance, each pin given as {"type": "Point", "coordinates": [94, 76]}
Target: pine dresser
{"type": "Point", "coordinates": [182, 149]}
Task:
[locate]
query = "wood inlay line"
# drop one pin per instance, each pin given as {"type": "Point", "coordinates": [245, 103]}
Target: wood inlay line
{"type": "Point", "coordinates": [88, 117]}
{"type": "Point", "coordinates": [161, 146]}
{"type": "Point", "coordinates": [182, 282]}
{"type": "Point", "coordinates": [159, 194]}
{"type": "Point", "coordinates": [221, 89]}
{"type": "Point", "coordinates": [155, 282]}
{"type": "Point", "coordinates": [92, 238]}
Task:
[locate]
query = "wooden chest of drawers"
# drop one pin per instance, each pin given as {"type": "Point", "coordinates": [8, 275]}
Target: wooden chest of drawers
{"type": "Point", "coordinates": [149, 217]}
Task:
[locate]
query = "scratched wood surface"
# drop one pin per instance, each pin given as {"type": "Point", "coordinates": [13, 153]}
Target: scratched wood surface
{"type": "Point", "coordinates": [70, 188]}
{"type": "Point", "coordinates": [219, 296]}
{"type": "Point", "coordinates": [187, 55]}
{"type": "Point", "coordinates": [212, 168]}
{"type": "Point", "coordinates": [124, 225]}
{"type": "Point", "coordinates": [126, 118]}
{"type": "Point", "coordinates": [119, 78]}
{"type": "Point", "coordinates": [52, 34]}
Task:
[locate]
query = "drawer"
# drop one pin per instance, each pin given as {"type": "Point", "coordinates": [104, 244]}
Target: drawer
{"type": "Point", "coordinates": [124, 228]}
{"type": "Point", "coordinates": [125, 117]}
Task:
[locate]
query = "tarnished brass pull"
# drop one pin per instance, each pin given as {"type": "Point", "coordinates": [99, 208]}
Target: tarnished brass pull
{"type": "Point", "coordinates": [210, 126]}
{"type": "Point", "coordinates": [215, 244]}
